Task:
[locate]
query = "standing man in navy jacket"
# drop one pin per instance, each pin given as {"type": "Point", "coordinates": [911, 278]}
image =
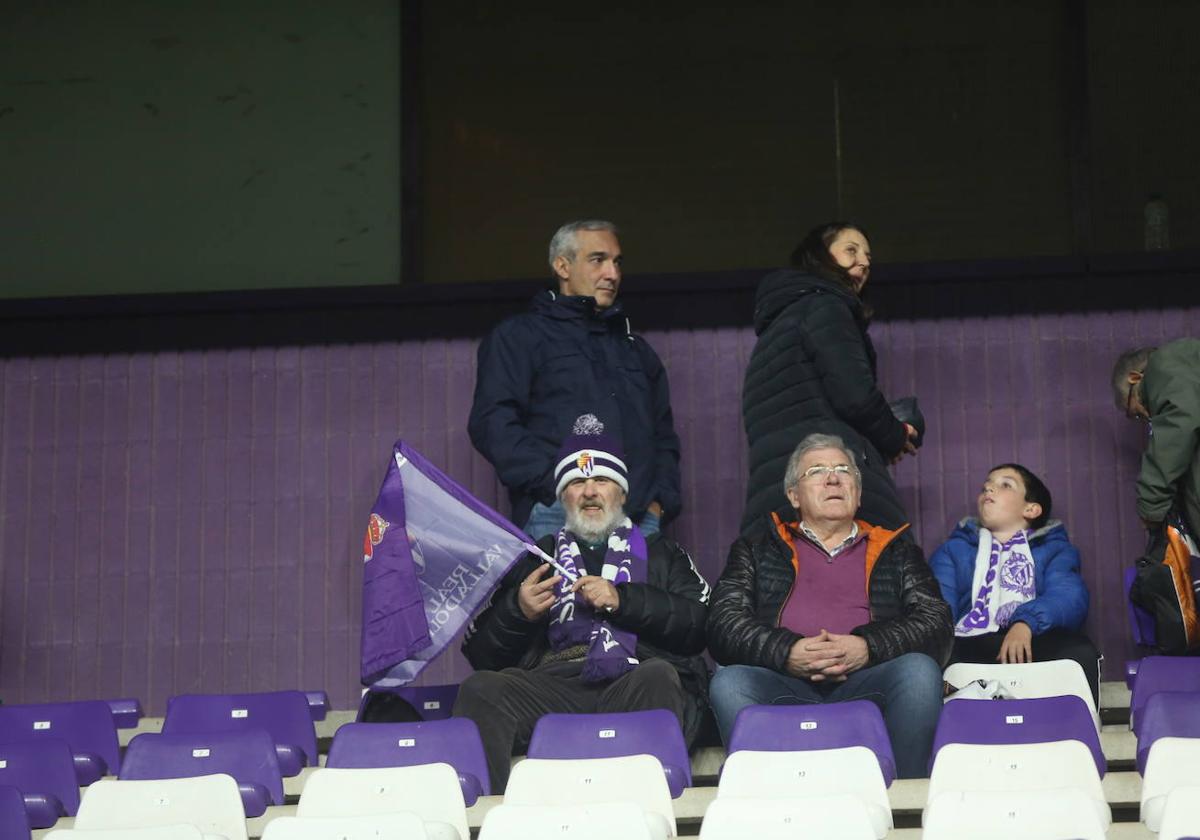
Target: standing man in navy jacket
{"type": "Point", "coordinates": [572, 353]}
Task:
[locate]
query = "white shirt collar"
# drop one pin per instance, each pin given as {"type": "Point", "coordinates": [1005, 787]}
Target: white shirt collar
{"type": "Point", "coordinates": [837, 549]}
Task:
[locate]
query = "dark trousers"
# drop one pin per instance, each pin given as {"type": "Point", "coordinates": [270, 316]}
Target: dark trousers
{"type": "Point", "coordinates": [1053, 644]}
{"type": "Point", "coordinates": [506, 704]}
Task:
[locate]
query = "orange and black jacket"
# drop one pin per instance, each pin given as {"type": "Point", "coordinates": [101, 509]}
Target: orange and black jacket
{"type": "Point", "coordinates": [907, 611]}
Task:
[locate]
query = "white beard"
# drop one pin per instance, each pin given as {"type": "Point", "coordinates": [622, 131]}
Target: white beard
{"type": "Point", "coordinates": [593, 531]}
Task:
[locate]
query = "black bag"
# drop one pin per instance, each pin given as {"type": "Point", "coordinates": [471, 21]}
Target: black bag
{"type": "Point", "coordinates": [1164, 587]}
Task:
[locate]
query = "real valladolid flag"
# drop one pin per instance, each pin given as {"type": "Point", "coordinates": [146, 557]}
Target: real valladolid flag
{"type": "Point", "coordinates": [432, 555]}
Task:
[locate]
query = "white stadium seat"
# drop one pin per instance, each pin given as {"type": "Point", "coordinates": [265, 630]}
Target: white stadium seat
{"type": "Point", "coordinates": [633, 778]}
{"type": "Point", "coordinates": [1172, 763]}
{"type": "Point", "coordinates": [1181, 814]}
{"type": "Point", "coordinates": [595, 821]}
{"type": "Point", "coordinates": [1018, 767]}
{"type": "Point", "coordinates": [431, 791]}
{"type": "Point", "coordinates": [1026, 680]}
{"type": "Point", "coordinates": [840, 817]}
{"type": "Point", "coordinates": [210, 803]}
{"type": "Point", "coordinates": [1005, 815]}
{"type": "Point", "coordinates": [854, 771]}
{"type": "Point", "coordinates": [182, 831]}
{"type": "Point", "coordinates": [398, 826]}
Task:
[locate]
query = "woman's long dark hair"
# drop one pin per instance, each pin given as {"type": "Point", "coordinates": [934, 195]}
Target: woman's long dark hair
{"type": "Point", "coordinates": [812, 254]}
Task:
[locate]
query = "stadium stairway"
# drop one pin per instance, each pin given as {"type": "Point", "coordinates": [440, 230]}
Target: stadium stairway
{"type": "Point", "coordinates": [1122, 784]}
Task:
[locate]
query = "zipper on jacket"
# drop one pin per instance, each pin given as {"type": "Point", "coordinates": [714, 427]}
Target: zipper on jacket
{"type": "Point", "coordinates": [795, 574]}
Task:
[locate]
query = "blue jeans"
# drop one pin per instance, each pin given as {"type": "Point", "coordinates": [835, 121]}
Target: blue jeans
{"type": "Point", "coordinates": [907, 689]}
{"type": "Point", "coordinates": [545, 520]}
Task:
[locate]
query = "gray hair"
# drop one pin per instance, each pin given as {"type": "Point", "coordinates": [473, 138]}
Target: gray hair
{"type": "Point", "coordinates": [816, 441]}
{"type": "Point", "coordinates": [562, 244]}
{"type": "Point", "coordinates": [1131, 361]}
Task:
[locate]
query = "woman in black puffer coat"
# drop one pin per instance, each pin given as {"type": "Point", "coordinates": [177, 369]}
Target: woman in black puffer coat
{"type": "Point", "coordinates": [813, 370]}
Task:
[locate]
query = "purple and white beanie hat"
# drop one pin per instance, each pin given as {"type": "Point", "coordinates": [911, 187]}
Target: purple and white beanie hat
{"type": "Point", "coordinates": [589, 452]}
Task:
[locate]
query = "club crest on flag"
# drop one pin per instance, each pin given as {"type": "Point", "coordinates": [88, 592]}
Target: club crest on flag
{"type": "Point", "coordinates": [376, 527]}
{"type": "Point", "coordinates": [585, 462]}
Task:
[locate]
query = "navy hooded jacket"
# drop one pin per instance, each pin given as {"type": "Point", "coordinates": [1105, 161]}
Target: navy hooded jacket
{"type": "Point", "coordinates": [1062, 598]}
{"type": "Point", "coordinates": [540, 370]}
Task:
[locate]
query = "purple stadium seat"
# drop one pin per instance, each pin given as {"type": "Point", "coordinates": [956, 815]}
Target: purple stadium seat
{"type": "Point", "coordinates": [454, 741]}
{"type": "Point", "coordinates": [86, 726]}
{"type": "Point", "coordinates": [610, 735]}
{"type": "Point", "coordinates": [14, 822]}
{"type": "Point", "coordinates": [126, 712]}
{"type": "Point", "coordinates": [828, 726]}
{"type": "Point", "coordinates": [1161, 673]}
{"type": "Point", "coordinates": [428, 702]}
{"type": "Point", "coordinates": [1141, 622]}
{"type": "Point", "coordinates": [43, 770]}
{"type": "Point", "coordinates": [318, 704]}
{"type": "Point", "coordinates": [248, 755]}
{"type": "Point", "coordinates": [1174, 714]}
{"type": "Point", "coordinates": [1035, 720]}
{"type": "Point", "coordinates": [284, 714]}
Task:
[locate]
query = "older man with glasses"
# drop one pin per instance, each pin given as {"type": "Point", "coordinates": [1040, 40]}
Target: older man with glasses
{"type": "Point", "coordinates": [1161, 385]}
{"type": "Point", "coordinates": [827, 608]}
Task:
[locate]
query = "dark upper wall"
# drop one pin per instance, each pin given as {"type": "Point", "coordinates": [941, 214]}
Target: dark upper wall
{"type": "Point", "coordinates": [198, 146]}
{"type": "Point", "coordinates": [1145, 77]}
{"type": "Point", "coordinates": [163, 147]}
{"type": "Point", "coordinates": [966, 129]}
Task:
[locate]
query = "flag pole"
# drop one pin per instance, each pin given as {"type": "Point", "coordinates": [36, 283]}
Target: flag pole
{"type": "Point", "coordinates": [571, 578]}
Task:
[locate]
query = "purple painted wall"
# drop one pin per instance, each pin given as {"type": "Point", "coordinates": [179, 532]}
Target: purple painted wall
{"type": "Point", "coordinates": [192, 521]}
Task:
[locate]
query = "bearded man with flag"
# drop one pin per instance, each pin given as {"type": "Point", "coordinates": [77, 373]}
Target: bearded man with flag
{"type": "Point", "coordinates": [615, 624]}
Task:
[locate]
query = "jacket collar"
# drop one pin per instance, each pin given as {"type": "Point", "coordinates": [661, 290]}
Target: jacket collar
{"type": "Point", "coordinates": [550, 303]}
{"type": "Point", "coordinates": [878, 538]}
{"type": "Point", "coordinates": [780, 289]}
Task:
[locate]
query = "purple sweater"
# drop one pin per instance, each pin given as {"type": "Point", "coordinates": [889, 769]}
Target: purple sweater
{"type": "Point", "coordinates": [830, 593]}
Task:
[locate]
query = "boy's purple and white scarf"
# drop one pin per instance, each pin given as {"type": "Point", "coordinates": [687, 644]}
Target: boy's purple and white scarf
{"type": "Point", "coordinates": [1004, 579]}
{"type": "Point", "coordinates": [611, 652]}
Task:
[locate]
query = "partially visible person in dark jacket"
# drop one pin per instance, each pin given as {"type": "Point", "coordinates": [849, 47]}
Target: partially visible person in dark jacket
{"type": "Point", "coordinates": [822, 608]}
{"type": "Point", "coordinates": [616, 626]}
{"type": "Point", "coordinates": [1161, 385]}
{"type": "Point", "coordinates": [813, 370]}
{"type": "Point", "coordinates": [1011, 577]}
{"type": "Point", "coordinates": [571, 353]}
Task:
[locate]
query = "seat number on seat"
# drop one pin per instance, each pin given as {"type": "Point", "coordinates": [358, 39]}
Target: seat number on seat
{"type": "Point", "coordinates": [808, 724]}
{"type": "Point", "coordinates": [407, 742]}
{"type": "Point", "coordinates": [1014, 718]}
{"type": "Point", "coordinates": [239, 713]}
{"type": "Point", "coordinates": [433, 704]}
{"type": "Point", "coordinates": [608, 733]}
{"type": "Point", "coordinates": [41, 724]}
{"type": "Point", "coordinates": [201, 753]}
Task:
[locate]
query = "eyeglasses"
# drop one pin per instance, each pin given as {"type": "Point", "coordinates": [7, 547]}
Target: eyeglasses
{"type": "Point", "coordinates": [821, 470]}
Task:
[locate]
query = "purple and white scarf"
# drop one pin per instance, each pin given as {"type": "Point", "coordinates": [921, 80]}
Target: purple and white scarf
{"type": "Point", "coordinates": [1004, 580]}
{"type": "Point", "coordinates": [611, 652]}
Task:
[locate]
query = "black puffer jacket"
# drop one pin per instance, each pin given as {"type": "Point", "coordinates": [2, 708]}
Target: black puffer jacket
{"type": "Point", "coordinates": [667, 612]}
{"type": "Point", "coordinates": [540, 370]}
{"type": "Point", "coordinates": [907, 611]}
{"type": "Point", "coordinates": [813, 370]}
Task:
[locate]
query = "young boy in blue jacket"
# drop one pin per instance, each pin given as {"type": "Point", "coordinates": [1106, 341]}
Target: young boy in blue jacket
{"type": "Point", "coordinates": [1012, 579]}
